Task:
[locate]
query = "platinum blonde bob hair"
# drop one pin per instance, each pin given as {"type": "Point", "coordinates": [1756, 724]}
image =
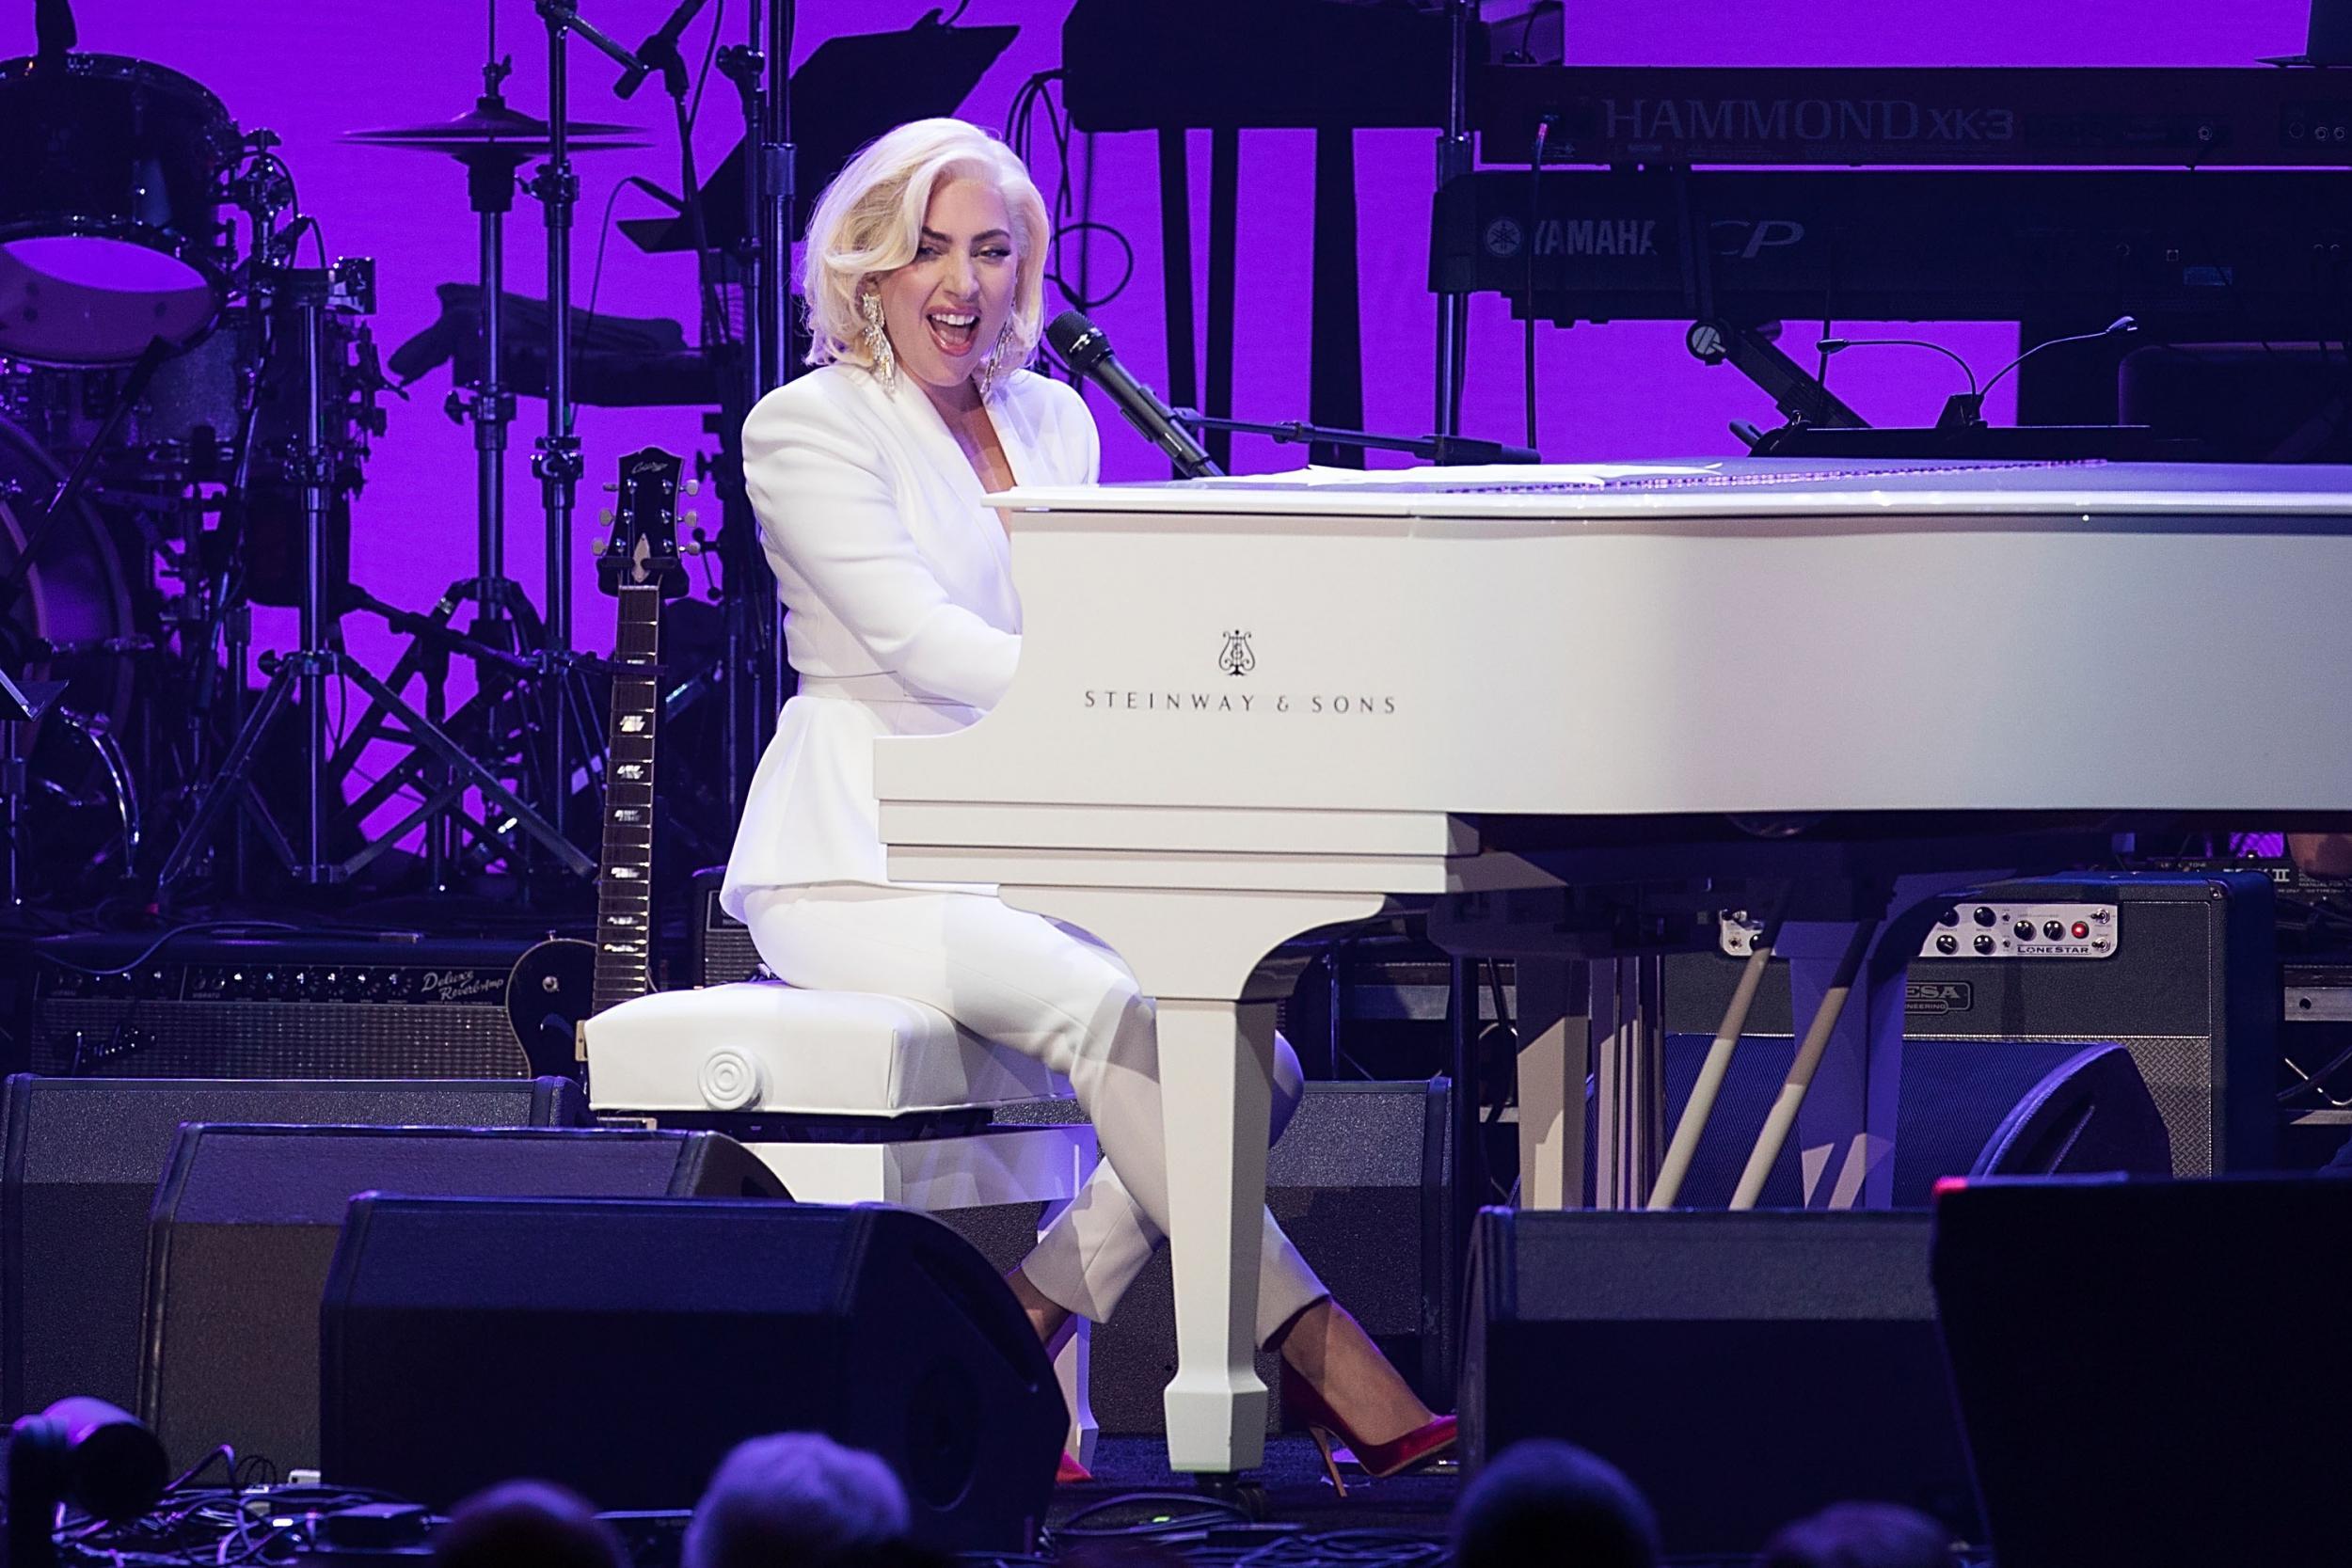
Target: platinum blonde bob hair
{"type": "Point", "coordinates": [870, 220]}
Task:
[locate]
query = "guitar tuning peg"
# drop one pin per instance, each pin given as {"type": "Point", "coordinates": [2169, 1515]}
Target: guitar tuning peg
{"type": "Point", "coordinates": [688, 518]}
{"type": "Point", "coordinates": [604, 515]}
{"type": "Point", "coordinates": [692, 547]}
{"type": "Point", "coordinates": [693, 486]}
{"type": "Point", "coordinates": [612, 487]}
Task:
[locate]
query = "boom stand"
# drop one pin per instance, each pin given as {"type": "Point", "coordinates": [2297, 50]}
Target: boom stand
{"type": "Point", "coordinates": [753, 671]}
{"type": "Point", "coordinates": [317, 661]}
{"type": "Point", "coordinates": [569, 715]}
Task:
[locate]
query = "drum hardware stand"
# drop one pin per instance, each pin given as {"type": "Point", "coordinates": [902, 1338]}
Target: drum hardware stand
{"type": "Point", "coordinates": [496, 670]}
{"type": "Point", "coordinates": [502, 616]}
{"type": "Point", "coordinates": [21, 704]}
{"type": "Point", "coordinates": [302, 676]}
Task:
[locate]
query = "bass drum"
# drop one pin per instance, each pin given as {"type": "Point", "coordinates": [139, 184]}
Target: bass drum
{"type": "Point", "coordinates": [111, 179]}
{"type": "Point", "coordinates": [75, 618]}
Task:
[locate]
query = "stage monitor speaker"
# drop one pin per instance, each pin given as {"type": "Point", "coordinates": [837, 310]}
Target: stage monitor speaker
{"type": "Point", "coordinates": [1361, 1182]}
{"type": "Point", "coordinates": [1741, 1368]}
{"type": "Point", "coordinates": [2140, 1367]}
{"type": "Point", "coordinates": [79, 1160]}
{"type": "Point", "coordinates": [2191, 992]}
{"type": "Point", "coordinates": [621, 1347]}
{"type": "Point", "coordinates": [245, 1226]}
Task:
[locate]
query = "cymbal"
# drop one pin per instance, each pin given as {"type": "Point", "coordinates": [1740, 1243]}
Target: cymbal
{"type": "Point", "coordinates": [497, 129]}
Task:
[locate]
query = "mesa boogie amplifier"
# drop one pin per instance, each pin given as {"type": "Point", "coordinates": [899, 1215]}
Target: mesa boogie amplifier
{"type": "Point", "coordinates": [2184, 975]}
{"type": "Point", "coordinates": [300, 1005]}
{"type": "Point", "coordinates": [723, 951]}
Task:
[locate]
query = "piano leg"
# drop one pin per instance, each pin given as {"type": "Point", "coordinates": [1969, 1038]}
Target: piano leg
{"type": "Point", "coordinates": [1204, 956]}
{"type": "Point", "coordinates": [1630, 1086]}
{"type": "Point", "coordinates": [1601, 1017]}
{"type": "Point", "coordinates": [1215, 1054]}
{"type": "Point", "coordinates": [1555, 1029]}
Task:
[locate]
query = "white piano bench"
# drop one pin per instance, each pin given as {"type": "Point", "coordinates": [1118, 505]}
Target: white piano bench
{"type": "Point", "coordinates": [850, 1098]}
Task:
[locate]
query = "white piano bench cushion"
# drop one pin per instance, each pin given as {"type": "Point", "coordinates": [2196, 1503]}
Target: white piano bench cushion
{"type": "Point", "coordinates": [762, 1045]}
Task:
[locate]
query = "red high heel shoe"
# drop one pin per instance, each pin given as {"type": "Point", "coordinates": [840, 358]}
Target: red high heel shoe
{"type": "Point", "coordinates": [1070, 1472]}
{"type": "Point", "coordinates": [1417, 1450]}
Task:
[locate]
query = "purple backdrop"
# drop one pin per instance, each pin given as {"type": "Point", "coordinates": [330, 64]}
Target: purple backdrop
{"type": "Point", "coordinates": [311, 70]}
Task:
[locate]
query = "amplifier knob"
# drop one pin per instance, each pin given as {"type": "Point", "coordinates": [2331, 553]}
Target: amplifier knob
{"type": "Point", "coordinates": [729, 1080]}
{"type": "Point", "coordinates": [1984, 945]}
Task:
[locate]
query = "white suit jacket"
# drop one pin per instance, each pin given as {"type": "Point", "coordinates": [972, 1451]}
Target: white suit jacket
{"type": "Point", "coordinates": [900, 615]}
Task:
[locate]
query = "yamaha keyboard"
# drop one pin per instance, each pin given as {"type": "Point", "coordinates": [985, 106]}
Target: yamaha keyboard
{"type": "Point", "coordinates": [2246, 255]}
{"type": "Point", "coordinates": [2164, 117]}
{"type": "Point", "coordinates": [1250, 708]}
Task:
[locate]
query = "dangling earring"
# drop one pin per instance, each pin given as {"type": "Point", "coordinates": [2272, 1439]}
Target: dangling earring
{"type": "Point", "coordinates": [878, 354]}
{"type": "Point", "coordinates": [992, 369]}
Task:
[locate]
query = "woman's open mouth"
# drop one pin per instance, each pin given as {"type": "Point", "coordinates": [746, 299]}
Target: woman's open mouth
{"type": "Point", "coordinates": [954, 331]}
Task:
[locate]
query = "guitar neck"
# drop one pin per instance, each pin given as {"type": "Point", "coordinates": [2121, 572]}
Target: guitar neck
{"type": "Point", "coordinates": [625, 886]}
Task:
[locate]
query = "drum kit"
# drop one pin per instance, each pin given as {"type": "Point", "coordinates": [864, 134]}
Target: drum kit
{"type": "Point", "coordinates": [185, 414]}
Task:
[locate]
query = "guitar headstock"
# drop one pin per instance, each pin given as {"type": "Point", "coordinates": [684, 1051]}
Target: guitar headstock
{"type": "Point", "coordinates": [644, 548]}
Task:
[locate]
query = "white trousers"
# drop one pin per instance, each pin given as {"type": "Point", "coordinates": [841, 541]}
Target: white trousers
{"type": "Point", "coordinates": [1054, 994]}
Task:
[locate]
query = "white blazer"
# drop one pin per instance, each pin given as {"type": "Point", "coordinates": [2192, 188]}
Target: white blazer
{"type": "Point", "coordinates": [900, 615]}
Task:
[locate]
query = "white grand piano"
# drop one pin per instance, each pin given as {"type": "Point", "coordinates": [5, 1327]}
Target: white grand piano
{"type": "Point", "coordinates": [1249, 708]}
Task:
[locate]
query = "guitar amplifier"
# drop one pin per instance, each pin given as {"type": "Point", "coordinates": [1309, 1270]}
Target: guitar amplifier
{"type": "Point", "coordinates": [300, 1006]}
{"type": "Point", "coordinates": [2190, 988]}
{"type": "Point", "coordinates": [723, 950]}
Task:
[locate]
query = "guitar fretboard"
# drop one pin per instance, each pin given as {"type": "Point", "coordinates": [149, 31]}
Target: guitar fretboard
{"type": "Point", "coordinates": [625, 890]}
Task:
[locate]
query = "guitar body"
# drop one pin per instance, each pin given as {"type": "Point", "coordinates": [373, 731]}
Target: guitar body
{"type": "Point", "coordinates": [548, 996]}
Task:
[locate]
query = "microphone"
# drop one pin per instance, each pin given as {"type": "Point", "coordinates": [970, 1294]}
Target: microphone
{"type": "Point", "coordinates": [1086, 350]}
{"type": "Point", "coordinates": [659, 51]}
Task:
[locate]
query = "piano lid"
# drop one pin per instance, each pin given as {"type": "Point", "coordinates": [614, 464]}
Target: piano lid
{"type": "Point", "coordinates": [1754, 487]}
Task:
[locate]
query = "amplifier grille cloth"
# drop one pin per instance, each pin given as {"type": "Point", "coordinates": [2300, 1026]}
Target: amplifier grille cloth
{"type": "Point", "coordinates": [127, 1037]}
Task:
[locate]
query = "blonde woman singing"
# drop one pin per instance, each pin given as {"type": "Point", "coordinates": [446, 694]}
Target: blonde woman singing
{"type": "Point", "coordinates": [924, 285]}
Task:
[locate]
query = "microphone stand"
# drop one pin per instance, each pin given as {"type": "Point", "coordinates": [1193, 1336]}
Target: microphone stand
{"type": "Point", "coordinates": [557, 458]}
{"type": "Point", "coordinates": [1445, 451]}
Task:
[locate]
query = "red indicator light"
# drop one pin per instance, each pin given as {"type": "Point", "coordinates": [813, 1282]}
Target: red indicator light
{"type": "Point", "coordinates": [2081, 930]}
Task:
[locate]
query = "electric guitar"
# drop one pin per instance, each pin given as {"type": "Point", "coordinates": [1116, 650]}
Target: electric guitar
{"type": "Point", "coordinates": [638, 565]}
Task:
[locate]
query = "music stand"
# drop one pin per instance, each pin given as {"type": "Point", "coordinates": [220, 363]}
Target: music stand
{"type": "Point", "coordinates": [22, 703]}
{"type": "Point", "coordinates": [849, 91]}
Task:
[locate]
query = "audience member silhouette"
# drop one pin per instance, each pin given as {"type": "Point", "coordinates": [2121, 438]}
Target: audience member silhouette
{"type": "Point", "coordinates": [798, 1499]}
{"type": "Point", "coordinates": [527, 1524]}
{"type": "Point", "coordinates": [1861, 1535]}
{"type": "Point", "coordinates": [1544, 1501]}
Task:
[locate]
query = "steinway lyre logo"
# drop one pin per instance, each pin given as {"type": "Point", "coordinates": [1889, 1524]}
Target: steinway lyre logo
{"type": "Point", "coordinates": [1236, 660]}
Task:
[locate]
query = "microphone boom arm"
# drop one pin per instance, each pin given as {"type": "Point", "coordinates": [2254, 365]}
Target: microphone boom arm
{"type": "Point", "coordinates": [1444, 450]}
